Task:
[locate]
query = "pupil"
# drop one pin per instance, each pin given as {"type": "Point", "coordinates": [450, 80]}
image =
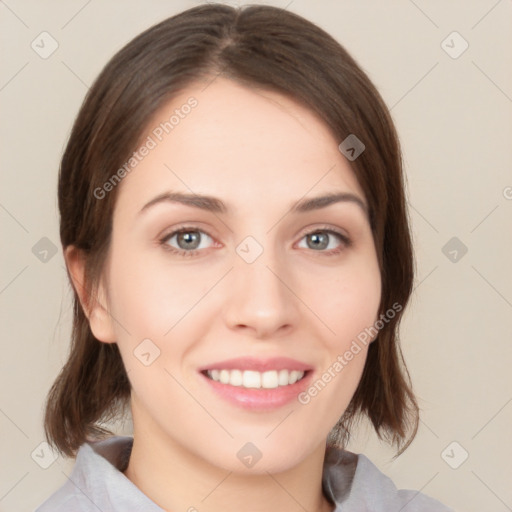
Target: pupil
{"type": "Point", "coordinates": [190, 238]}
{"type": "Point", "coordinates": [319, 237]}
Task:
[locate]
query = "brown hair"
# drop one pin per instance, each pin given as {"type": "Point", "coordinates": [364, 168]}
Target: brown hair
{"type": "Point", "coordinates": [256, 46]}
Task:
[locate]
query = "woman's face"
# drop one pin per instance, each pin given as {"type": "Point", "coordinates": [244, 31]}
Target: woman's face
{"type": "Point", "coordinates": [258, 278]}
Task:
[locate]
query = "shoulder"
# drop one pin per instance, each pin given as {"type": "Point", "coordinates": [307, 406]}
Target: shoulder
{"type": "Point", "coordinates": [97, 482]}
{"type": "Point", "coordinates": [355, 484]}
{"type": "Point", "coordinates": [72, 494]}
{"type": "Point", "coordinates": [378, 493]}
{"type": "Point", "coordinates": [64, 500]}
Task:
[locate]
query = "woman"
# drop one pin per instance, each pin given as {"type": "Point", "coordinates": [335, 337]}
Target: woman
{"type": "Point", "coordinates": [234, 227]}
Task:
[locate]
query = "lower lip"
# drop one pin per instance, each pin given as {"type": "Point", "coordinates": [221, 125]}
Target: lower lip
{"type": "Point", "coordinates": [259, 399]}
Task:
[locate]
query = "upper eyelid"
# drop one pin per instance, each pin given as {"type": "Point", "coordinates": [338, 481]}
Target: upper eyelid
{"type": "Point", "coordinates": [185, 229]}
{"type": "Point", "coordinates": [306, 231]}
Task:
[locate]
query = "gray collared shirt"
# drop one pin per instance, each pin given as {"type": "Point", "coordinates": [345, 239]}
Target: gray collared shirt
{"type": "Point", "coordinates": [351, 481]}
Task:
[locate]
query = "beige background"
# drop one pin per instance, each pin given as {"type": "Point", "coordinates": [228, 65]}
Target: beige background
{"type": "Point", "coordinates": [454, 116]}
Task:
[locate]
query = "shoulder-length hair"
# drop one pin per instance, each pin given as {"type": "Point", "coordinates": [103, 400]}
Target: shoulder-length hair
{"type": "Point", "coordinates": [256, 46]}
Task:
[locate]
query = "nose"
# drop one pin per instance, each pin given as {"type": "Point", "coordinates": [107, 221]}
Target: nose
{"type": "Point", "coordinates": [260, 298]}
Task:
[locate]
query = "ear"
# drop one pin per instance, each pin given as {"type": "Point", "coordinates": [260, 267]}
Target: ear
{"type": "Point", "coordinates": [94, 305]}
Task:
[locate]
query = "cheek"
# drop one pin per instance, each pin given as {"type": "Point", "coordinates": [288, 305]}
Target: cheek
{"type": "Point", "coordinates": [346, 300]}
{"type": "Point", "coordinates": [347, 304]}
{"type": "Point", "coordinates": [151, 298]}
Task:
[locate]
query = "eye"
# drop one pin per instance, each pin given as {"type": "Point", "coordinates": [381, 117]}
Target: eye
{"type": "Point", "coordinates": [321, 239]}
{"type": "Point", "coordinates": [189, 241]}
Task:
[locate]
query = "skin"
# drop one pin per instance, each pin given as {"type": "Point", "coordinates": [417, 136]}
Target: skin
{"type": "Point", "coordinates": [259, 152]}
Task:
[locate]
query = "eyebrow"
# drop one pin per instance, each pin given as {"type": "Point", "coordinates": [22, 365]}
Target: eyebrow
{"type": "Point", "coordinates": [216, 205]}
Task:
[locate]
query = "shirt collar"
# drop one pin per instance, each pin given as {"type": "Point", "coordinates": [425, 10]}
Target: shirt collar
{"type": "Point", "coordinates": [99, 467]}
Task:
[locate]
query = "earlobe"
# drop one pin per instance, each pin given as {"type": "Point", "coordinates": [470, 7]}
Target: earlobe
{"type": "Point", "coordinates": [94, 304]}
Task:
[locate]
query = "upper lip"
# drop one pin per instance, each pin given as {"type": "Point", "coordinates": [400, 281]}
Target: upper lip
{"type": "Point", "coordinates": [258, 365]}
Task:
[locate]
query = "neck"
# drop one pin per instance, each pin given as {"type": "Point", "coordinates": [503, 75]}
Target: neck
{"type": "Point", "coordinates": [176, 479]}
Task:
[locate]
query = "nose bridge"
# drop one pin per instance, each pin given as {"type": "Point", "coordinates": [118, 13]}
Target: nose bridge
{"type": "Point", "coordinates": [260, 298]}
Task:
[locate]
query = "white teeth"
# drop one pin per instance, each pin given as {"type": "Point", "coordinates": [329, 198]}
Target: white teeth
{"type": "Point", "coordinates": [251, 379]}
{"type": "Point", "coordinates": [283, 378]}
{"type": "Point", "coordinates": [269, 380]}
{"type": "Point", "coordinates": [236, 378]}
{"type": "Point", "coordinates": [294, 376]}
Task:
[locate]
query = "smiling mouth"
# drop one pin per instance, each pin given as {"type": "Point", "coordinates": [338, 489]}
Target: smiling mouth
{"type": "Point", "coordinates": [251, 379]}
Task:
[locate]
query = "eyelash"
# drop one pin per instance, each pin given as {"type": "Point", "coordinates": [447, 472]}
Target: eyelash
{"type": "Point", "coordinates": [346, 242]}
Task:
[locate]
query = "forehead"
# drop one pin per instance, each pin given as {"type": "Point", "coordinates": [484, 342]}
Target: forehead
{"type": "Point", "coordinates": [237, 143]}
